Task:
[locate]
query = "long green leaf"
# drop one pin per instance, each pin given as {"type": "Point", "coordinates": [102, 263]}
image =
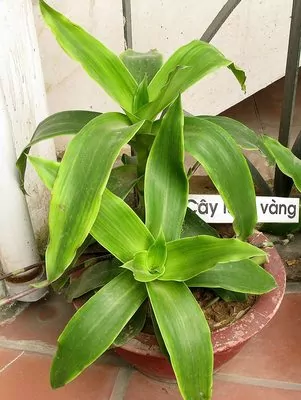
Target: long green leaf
{"type": "Point", "coordinates": [245, 137]}
{"type": "Point", "coordinates": [121, 181]}
{"type": "Point", "coordinates": [93, 277]}
{"type": "Point", "coordinates": [193, 225]}
{"type": "Point", "coordinates": [287, 162]}
{"type": "Point", "coordinates": [186, 335]}
{"type": "Point", "coordinates": [166, 185]}
{"type": "Point", "coordinates": [133, 327]}
{"type": "Point", "coordinates": [158, 335]}
{"type": "Point", "coordinates": [229, 296]}
{"type": "Point", "coordinates": [189, 257]}
{"type": "Point", "coordinates": [261, 185]}
{"type": "Point", "coordinates": [99, 62]}
{"type": "Point", "coordinates": [119, 229]}
{"type": "Point", "coordinates": [46, 169]}
{"type": "Point", "coordinates": [62, 123]}
{"type": "Point", "coordinates": [243, 276]}
{"type": "Point", "coordinates": [141, 97]}
{"type": "Point", "coordinates": [81, 180]}
{"type": "Point", "coordinates": [186, 66]}
{"type": "Point", "coordinates": [116, 227]}
{"type": "Point", "coordinates": [95, 326]}
{"type": "Point", "coordinates": [225, 164]}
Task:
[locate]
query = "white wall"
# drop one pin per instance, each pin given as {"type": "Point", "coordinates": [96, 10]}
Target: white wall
{"type": "Point", "coordinates": [255, 36]}
{"type": "Point", "coordinates": [21, 81]}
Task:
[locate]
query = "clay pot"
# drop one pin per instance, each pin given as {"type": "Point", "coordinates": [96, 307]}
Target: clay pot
{"type": "Point", "coordinates": [143, 351]}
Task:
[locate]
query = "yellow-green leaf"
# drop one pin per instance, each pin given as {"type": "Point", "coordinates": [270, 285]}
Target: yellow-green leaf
{"type": "Point", "coordinates": [186, 66]}
{"type": "Point", "coordinates": [225, 164]}
{"type": "Point", "coordinates": [62, 123]}
{"type": "Point", "coordinates": [166, 185]}
{"type": "Point", "coordinates": [95, 326]}
{"type": "Point", "coordinates": [287, 162]}
{"type": "Point", "coordinates": [243, 276]}
{"type": "Point", "coordinates": [186, 336]}
{"type": "Point", "coordinates": [189, 257]}
{"type": "Point", "coordinates": [100, 63]}
{"type": "Point", "coordinates": [119, 229]}
{"type": "Point", "coordinates": [116, 226]}
{"type": "Point", "coordinates": [77, 190]}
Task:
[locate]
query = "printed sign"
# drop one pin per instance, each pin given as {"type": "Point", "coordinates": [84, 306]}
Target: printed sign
{"type": "Point", "coordinates": [211, 208]}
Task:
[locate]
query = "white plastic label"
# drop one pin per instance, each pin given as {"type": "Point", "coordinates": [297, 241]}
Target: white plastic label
{"type": "Point", "coordinates": [211, 208]}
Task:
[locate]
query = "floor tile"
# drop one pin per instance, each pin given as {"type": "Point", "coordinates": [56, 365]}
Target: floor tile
{"type": "Point", "coordinates": [7, 356]}
{"type": "Point", "coordinates": [234, 391]}
{"type": "Point", "coordinates": [43, 321]}
{"type": "Point", "coordinates": [275, 353]}
{"type": "Point", "coordinates": [143, 388]}
{"type": "Point", "coordinates": [28, 378]}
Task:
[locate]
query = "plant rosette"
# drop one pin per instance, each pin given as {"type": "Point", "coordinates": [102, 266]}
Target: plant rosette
{"type": "Point", "coordinates": [143, 351]}
{"type": "Point", "coordinates": [159, 247]}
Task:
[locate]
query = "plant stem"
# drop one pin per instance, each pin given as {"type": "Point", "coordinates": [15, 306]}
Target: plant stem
{"type": "Point", "coordinates": [8, 300]}
{"type": "Point", "coordinates": [21, 270]}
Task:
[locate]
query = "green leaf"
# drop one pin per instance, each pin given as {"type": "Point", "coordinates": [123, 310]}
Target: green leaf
{"type": "Point", "coordinates": [262, 187]}
{"type": "Point", "coordinates": [287, 162]}
{"type": "Point", "coordinates": [119, 229]}
{"type": "Point", "coordinates": [239, 75]}
{"type": "Point", "coordinates": [189, 257]}
{"type": "Point", "coordinates": [142, 65]}
{"type": "Point", "coordinates": [133, 327]}
{"type": "Point", "coordinates": [157, 253]}
{"type": "Point", "coordinates": [193, 225]}
{"type": "Point", "coordinates": [245, 137]}
{"type": "Point", "coordinates": [157, 332]}
{"type": "Point", "coordinates": [116, 227]}
{"type": "Point", "coordinates": [226, 166]}
{"type": "Point", "coordinates": [122, 180]}
{"type": "Point", "coordinates": [62, 123]}
{"type": "Point", "coordinates": [281, 229]}
{"type": "Point", "coordinates": [186, 66]}
{"type": "Point", "coordinates": [77, 190]}
{"type": "Point", "coordinates": [148, 265]}
{"type": "Point", "coordinates": [186, 335]}
{"type": "Point", "coordinates": [100, 63]}
{"type": "Point", "coordinates": [228, 295]}
{"type": "Point", "coordinates": [166, 185]}
{"type": "Point", "coordinates": [141, 96]}
{"type": "Point", "coordinates": [95, 326]}
{"type": "Point", "coordinates": [243, 276]}
{"type": "Point", "coordinates": [46, 169]}
{"type": "Point", "coordinates": [93, 277]}
{"type": "Point", "coordinates": [139, 267]}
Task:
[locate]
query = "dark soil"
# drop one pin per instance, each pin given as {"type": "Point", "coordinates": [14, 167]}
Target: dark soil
{"type": "Point", "coordinates": [218, 312]}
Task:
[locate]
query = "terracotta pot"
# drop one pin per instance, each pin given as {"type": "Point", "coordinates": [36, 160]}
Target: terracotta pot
{"type": "Point", "coordinates": [143, 351]}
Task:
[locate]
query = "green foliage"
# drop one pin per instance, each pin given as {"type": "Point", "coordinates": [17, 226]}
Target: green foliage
{"type": "Point", "coordinates": [166, 186]}
{"type": "Point", "coordinates": [159, 247]}
{"type": "Point", "coordinates": [238, 197]}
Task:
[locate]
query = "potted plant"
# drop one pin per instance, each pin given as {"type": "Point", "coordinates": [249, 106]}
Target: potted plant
{"type": "Point", "coordinates": [159, 248]}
